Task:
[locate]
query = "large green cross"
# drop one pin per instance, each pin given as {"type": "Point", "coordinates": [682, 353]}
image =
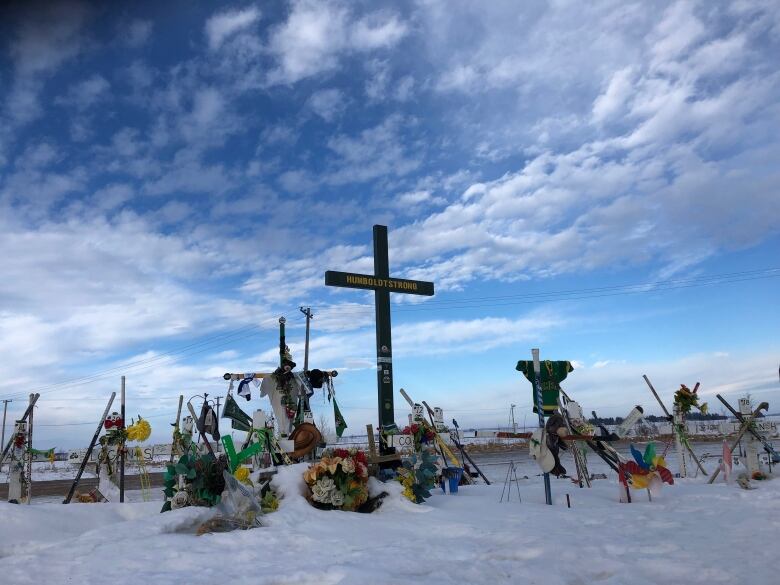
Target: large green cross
{"type": "Point", "coordinates": [382, 285]}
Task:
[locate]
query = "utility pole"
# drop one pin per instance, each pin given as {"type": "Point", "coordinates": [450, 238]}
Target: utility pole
{"type": "Point", "coordinates": [122, 447]}
{"type": "Point", "coordinates": [30, 448]}
{"type": "Point", "coordinates": [218, 399]}
{"type": "Point", "coordinates": [5, 410]}
{"type": "Point", "coordinates": [309, 317]}
{"type": "Point", "coordinates": [514, 424]}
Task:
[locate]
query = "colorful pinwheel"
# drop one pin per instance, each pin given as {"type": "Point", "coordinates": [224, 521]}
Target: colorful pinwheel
{"type": "Point", "coordinates": [648, 471]}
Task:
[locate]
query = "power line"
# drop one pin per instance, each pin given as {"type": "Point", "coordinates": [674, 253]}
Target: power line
{"type": "Point", "coordinates": [228, 337]}
{"type": "Point", "coordinates": [149, 363]}
{"type": "Point", "coordinates": [92, 422]}
{"type": "Point", "coordinates": [567, 295]}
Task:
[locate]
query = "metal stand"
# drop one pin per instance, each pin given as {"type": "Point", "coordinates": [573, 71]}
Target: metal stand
{"type": "Point", "coordinates": [511, 476]}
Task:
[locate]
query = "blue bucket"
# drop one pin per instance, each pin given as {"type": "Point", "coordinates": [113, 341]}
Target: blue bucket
{"type": "Point", "coordinates": [450, 478]}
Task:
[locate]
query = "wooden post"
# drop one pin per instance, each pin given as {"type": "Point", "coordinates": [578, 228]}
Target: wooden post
{"type": "Point", "coordinates": [677, 426]}
{"type": "Point", "coordinates": [122, 448]}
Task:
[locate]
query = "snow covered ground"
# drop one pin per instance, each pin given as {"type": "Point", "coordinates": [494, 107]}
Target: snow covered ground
{"type": "Point", "coordinates": [691, 533]}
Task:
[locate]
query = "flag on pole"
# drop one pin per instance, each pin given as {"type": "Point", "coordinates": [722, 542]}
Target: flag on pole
{"type": "Point", "coordinates": [340, 423]}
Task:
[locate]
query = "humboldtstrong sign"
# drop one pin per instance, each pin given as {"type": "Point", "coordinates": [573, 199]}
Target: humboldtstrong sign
{"type": "Point", "coordinates": [350, 280]}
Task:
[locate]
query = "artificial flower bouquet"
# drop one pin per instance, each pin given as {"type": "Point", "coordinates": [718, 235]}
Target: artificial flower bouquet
{"type": "Point", "coordinates": [422, 432]}
{"type": "Point", "coordinates": [685, 399]}
{"type": "Point", "coordinates": [417, 475]}
{"type": "Point", "coordinates": [338, 481]}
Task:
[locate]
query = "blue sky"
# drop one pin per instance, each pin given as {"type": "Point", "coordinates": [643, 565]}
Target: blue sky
{"type": "Point", "coordinates": [176, 176]}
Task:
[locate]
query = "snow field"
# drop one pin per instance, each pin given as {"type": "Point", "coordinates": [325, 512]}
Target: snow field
{"type": "Point", "coordinates": [693, 533]}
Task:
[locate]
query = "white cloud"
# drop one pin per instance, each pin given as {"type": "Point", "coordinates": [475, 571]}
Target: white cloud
{"type": "Point", "coordinates": [83, 95]}
{"type": "Point", "coordinates": [378, 30]}
{"type": "Point", "coordinates": [137, 33]}
{"type": "Point", "coordinates": [412, 202]}
{"type": "Point", "coordinates": [414, 197]}
{"type": "Point", "coordinates": [424, 338]}
{"type": "Point", "coordinates": [380, 151]}
{"type": "Point", "coordinates": [46, 39]}
{"type": "Point", "coordinates": [327, 103]}
{"type": "Point", "coordinates": [297, 182]}
{"type": "Point", "coordinates": [730, 375]}
{"type": "Point", "coordinates": [614, 97]}
{"type": "Point", "coordinates": [223, 25]}
{"type": "Point", "coordinates": [317, 34]}
{"type": "Point", "coordinates": [404, 89]}
{"type": "Point", "coordinates": [678, 30]}
{"type": "Point", "coordinates": [42, 41]}
{"type": "Point", "coordinates": [112, 196]}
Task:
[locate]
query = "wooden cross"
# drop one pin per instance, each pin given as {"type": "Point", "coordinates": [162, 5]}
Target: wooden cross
{"type": "Point", "coordinates": [382, 285]}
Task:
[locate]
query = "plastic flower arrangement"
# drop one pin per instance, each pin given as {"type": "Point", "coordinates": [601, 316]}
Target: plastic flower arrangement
{"type": "Point", "coordinates": [685, 399]}
{"type": "Point", "coordinates": [338, 481]}
{"type": "Point", "coordinates": [423, 434]}
{"type": "Point", "coordinates": [418, 475]}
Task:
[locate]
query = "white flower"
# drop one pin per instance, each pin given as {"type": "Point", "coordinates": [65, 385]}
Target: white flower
{"type": "Point", "coordinates": [348, 465]}
{"type": "Point", "coordinates": [322, 490]}
{"type": "Point", "coordinates": [337, 498]}
{"type": "Point", "coordinates": [327, 484]}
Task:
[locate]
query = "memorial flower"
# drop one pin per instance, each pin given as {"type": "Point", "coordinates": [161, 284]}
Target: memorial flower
{"type": "Point", "coordinates": [339, 480]}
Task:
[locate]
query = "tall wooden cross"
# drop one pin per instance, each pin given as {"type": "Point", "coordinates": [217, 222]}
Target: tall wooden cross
{"type": "Point", "coordinates": [382, 285]}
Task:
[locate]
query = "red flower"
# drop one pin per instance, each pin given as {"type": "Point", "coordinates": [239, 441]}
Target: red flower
{"type": "Point", "coordinates": [340, 453]}
{"type": "Point", "coordinates": [415, 428]}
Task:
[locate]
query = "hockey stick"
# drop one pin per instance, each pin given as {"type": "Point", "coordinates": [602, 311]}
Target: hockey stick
{"type": "Point", "coordinates": [742, 430]}
{"type": "Point", "coordinates": [671, 418]}
{"type": "Point", "coordinates": [24, 417]}
{"type": "Point", "coordinates": [446, 453]}
{"type": "Point", "coordinates": [459, 446]}
{"type": "Point", "coordinates": [767, 447]}
{"type": "Point", "coordinates": [579, 459]}
{"type": "Point", "coordinates": [200, 430]}
{"type": "Point", "coordinates": [176, 427]}
{"type": "Point", "coordinates": [89, 449]}
{"type": "Point", "coordinates": [466, 456]}
{"type": "Point", "coordinates": [442, 446]}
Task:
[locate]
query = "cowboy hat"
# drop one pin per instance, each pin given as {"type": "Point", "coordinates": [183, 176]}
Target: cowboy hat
{"type": "Point", "coordinates": [306, 437]}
